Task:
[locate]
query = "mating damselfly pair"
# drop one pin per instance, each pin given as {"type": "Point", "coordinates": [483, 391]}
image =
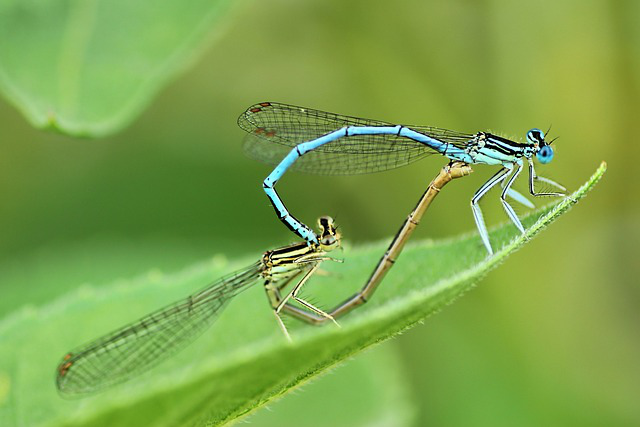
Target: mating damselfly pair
{"type": "Point", "coordinates": [319, 142]}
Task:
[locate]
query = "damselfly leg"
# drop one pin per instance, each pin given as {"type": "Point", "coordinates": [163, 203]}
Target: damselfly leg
{"type": "Point", "coordinates": [503, 197]}
{"type": "Point", "coordinates": [294, 294]}
{"type": "Point", "coordinates": [477, 212]}
{"type": "Point", "coordinates": [534, 177]}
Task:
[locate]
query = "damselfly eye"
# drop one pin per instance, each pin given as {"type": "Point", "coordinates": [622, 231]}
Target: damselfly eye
{"type": "Point", "coordinates": [328, 241]}
{"type": "Point", "coordinates": [535, 135]}
{"type": "Point", "coordinates": [545, 154]}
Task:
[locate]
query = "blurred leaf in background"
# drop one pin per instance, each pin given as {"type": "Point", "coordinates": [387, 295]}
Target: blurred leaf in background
{"type": "Point", "coordinates": [549, 339]}
{"type": "Point", "coordinates": [88, 67]}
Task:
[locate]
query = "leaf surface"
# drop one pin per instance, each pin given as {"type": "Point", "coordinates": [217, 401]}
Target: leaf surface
{"type": "Point", "coordinates": [243, 361]}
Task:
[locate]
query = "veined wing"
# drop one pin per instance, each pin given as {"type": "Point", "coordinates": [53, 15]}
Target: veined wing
{"type": "Point", "coordinates": [274, 129]}
{"type": "Point", "coordinates": [135, 348]}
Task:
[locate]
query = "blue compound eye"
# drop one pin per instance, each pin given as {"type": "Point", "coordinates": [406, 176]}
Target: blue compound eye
{"type": "Point", "coordinates": [535, 135]}
{"type": "Point", "coordinates": [545, 154]}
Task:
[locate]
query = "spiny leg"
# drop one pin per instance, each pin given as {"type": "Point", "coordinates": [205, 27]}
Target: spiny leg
{"type": "Point", "coordinates": [296, 287]}
{"type": "Point", "coordinates": [317, 310]}
{"type": "Point", "coordinates": [282, 326]}
{"type": "Point", "coordinates": [550, 182]}
{"type": "Point", "coordinates": [273, 294]}
{"type": "Point", "coordinates": [294, 294]}
{"type": "Point", "coordinates": [533, 177]}
{"type": "Point", "coordinates": [507, 207]}
{"type": "Point", "coordinates": [477, 212]}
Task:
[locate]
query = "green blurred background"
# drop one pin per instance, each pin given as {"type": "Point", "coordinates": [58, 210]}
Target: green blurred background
{"type": "Point", "coordinates": [550, 338]}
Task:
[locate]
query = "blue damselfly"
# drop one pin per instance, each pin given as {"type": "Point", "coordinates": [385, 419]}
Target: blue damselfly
{"type": "Point", "coordinates": [320, 142]}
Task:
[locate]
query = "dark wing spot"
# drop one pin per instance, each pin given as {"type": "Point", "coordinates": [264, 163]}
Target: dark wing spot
{"type": "Point", "coordinates": [64, 368]}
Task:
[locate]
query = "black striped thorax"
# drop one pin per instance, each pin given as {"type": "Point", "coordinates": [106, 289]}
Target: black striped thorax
{"type": "Point", "coordinates": [287, 255]}
{"type": "Point", "coordinates": [494, 146]}
{"type": "Point", "coordinates": [284, 263]}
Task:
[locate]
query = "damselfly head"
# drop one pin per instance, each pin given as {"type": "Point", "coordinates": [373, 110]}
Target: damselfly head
{"type": "Point", "coordinates": [329, 237]}
{"type": "Point", "coordinates": [543, 151]}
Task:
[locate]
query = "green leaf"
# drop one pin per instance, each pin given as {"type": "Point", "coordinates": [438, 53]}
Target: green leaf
{"type": "Point", "coordinates": [88, 67]}
{"type": "Point", "coordinates": [382, 396]}
{"type": "Point", "coordinates": [243, 361]}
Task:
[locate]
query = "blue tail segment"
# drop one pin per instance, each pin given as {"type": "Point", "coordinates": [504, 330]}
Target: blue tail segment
{"type": "Point", "coordinates": [303, 148]}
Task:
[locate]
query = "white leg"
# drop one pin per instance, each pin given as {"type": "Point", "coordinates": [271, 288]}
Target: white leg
{"type": "Point", "coordinates": [518, 197]}
{"type": "Point", "coordinates": [507, 207]}
{"type": "Point", "coordinates": [477, 212]}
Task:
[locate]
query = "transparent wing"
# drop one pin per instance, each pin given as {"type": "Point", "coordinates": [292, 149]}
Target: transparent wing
{"type": "Point", "coordinates": [274, 129]}
{"type": "Point", "coordinates": [139, 346]}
